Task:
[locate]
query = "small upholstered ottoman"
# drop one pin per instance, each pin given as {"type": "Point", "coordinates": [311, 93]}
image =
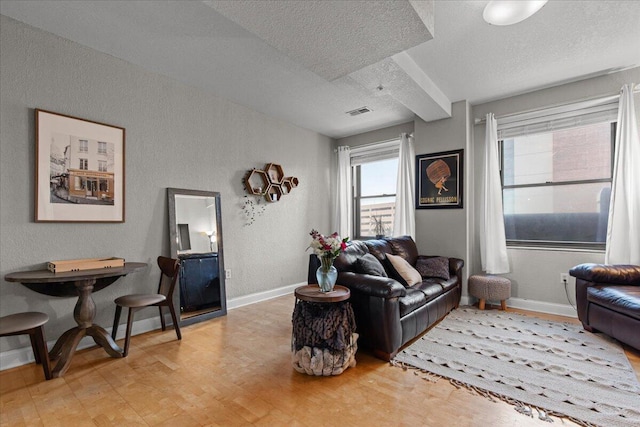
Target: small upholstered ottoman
{"type": "Point", "coordinates": [489, 287]}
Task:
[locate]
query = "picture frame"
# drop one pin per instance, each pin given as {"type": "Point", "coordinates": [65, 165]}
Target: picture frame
{"type": "Point", "coordinates": [439, 180]}
{"type": "Point", "coordinates": [79, 171]}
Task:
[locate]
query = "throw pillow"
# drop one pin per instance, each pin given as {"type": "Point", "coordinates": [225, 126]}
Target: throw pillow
{"type": "Point", "coordinates": [369, 264]}
{"type": "Point", "coordinates": [434, 267]}
{"type": "Point", "coordinates": [409, 275]}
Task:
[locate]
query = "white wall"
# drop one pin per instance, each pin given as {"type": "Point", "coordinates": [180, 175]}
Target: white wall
{"type": "Point", "coordinates": [176, 136]}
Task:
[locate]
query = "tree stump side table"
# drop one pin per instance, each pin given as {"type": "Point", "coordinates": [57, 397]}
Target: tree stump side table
{"type": "Point", "coordinates": [323, 341]}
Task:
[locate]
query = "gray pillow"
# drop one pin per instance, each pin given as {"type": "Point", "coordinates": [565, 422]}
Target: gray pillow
{"type": "Point", "coordinates": [368, 264]}
{"type": "Point", "coordinates": [434, 267]}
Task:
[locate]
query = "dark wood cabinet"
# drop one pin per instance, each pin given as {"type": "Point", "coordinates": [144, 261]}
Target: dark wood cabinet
{"type": "Point", "coordinates": [199, 282]}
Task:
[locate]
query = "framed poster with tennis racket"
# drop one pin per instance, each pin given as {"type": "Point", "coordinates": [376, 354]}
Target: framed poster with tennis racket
{"type": "Point", "coordinates": [439, 179]}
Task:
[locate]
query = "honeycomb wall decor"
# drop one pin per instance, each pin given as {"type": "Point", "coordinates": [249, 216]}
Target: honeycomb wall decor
{"type": "Point", "coordinates": [269, 182]}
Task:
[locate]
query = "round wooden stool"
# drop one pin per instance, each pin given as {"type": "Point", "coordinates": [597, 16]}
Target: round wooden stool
{"type": "Point", "coordinates": [489, 287]}
{"type": "Point", "coordinates": [29, 323]}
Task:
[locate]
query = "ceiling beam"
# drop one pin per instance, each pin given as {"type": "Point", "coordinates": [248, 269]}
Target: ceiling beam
{"type": "Point", "coordinates": [334, 38]}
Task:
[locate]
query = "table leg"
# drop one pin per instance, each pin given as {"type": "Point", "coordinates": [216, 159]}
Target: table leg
{"type": "Point", "coordinates": [65, 347]}
{"type": "Point", "coordinates": [83, 313]}
{"type": "Point", "coordinates": [56, 351]}
{"type": "Point", "coordinates": [104, 340]}
{"type": "Point", "coordinates": [85, 309]}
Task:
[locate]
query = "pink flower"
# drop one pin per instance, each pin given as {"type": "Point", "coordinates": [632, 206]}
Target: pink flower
{"type": "Point", "coordinates": [330, 245]}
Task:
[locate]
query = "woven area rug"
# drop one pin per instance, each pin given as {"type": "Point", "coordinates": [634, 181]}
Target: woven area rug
{"type": "Point", "coordinates": [543, 368]}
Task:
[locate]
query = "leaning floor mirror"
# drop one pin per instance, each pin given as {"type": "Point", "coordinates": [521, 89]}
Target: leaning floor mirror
{"type": "Point", "coordinates": [195, 233]}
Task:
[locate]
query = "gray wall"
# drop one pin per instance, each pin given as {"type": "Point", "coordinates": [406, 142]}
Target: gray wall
{"type": "Point", "coordinates": [444, 231]}
{"type": "Point", "coordinates": [535, 273]}
{"type": "Point", "coordinates": [379, 135]}
{"type": "Point", "coordinates": [438, 231]}
{"type": "Point", "coordinates": [176, 136]}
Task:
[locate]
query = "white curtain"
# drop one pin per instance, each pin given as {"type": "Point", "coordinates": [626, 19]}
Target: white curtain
{"type": "Point", "coordinates": [342, 195]}
{"type": "Point", "coordinates": [623, 230]}
{"type": "Point", "coordinates": [404, 222]}
{"type": "Point", "coordinates": [493, 245]}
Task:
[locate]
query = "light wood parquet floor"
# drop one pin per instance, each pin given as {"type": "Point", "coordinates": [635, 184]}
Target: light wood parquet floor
{"type": "Point", "coordinates": [236, 371]}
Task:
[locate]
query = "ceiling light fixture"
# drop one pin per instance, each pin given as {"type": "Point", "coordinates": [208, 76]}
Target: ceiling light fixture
{"type": "Point", "coordinates": [509, 12]}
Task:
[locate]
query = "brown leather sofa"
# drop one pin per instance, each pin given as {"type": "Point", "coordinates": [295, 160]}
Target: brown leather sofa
{"type": "Point", "coordinates": [389, 314]}
{"type": "Point", "coordinates": [608, 300]}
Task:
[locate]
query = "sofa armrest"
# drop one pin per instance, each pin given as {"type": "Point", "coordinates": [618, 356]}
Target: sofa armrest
{"type": "Point", "coordinates": [381, 287]}
{"type": "Point", "coordinates": [455, 265]}
{"type": "Point", "coordinates": [613, 274]}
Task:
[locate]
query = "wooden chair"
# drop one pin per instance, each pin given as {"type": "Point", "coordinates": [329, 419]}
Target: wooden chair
{"type": "Point", "coordinates": [31, 323]}
{"type": "Point", "coordinates": [164, 298]}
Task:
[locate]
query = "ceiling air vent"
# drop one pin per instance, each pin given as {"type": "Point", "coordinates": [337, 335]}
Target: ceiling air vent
{"type": "Point", "coordinates": [359, 111]}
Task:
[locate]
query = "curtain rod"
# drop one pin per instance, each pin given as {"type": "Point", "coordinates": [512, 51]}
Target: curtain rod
{"type": "Point", "coordinates": [635, 90]}
{"type": "Point", "coordinates": [377, 142]}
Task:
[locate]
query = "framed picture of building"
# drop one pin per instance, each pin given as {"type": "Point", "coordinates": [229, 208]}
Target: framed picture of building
{"type": "Point", "coordinates": [439, 179]}
{"type": "Point", "coordinates": [79, 170]}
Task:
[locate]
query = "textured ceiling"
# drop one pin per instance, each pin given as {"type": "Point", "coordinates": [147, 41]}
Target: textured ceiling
{"type": "Point", "coordinates": [564, 41]}
{"type": "Point", "coordinates": [290, 60]}
{"type": "Point", "coordinates": [331, 38]}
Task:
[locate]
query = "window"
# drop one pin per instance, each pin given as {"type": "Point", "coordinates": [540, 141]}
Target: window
{"type": "Point", "coordinates": [84, 146]}
{"type": "Point", "coordinates": [84, 164]}
{"type": "Point", "coordinates": [79, 183]}
{"type": "Point", "coordinates": [102, 165]}
{"type": "Point", "coordinates": [374, 170]}
{"type": "Point", "coordinates": [102, 147]}
{"type": "Point", "coordinates": [556, 186]}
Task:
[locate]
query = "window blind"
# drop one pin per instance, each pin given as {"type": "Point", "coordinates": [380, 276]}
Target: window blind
{"type": "Point", "coordinates": [375, 152]}
{"type": "Point", "coordinates": [559, 117]}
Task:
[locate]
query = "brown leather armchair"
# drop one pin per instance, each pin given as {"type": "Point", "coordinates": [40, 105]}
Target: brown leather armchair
{"type": "Point", "coordinates": [608, 300]}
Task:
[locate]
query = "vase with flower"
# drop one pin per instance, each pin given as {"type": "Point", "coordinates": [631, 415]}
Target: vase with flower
{"type": "Point", "coordinates": [327, 249]}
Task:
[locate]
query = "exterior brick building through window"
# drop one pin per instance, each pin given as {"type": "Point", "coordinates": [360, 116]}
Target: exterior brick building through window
{"type": "Point", "coordinates": [556, 186]}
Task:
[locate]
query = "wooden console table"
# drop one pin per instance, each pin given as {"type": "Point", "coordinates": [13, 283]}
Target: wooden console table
{"type": "Point", "coordinates": [323, 341]}
{"type": "Point", "coordinates": [81, 284]}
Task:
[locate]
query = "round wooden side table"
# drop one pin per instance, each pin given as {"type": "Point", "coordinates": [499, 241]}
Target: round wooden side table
{"type": "Point", "coordinates": [323, 341]}
{"type": "Point", "coordinates": [81, 284]}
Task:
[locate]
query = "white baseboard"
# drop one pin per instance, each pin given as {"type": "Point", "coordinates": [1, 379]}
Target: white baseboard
{"type": "Point", "coordinates": [262, 296]}
{"type": "Point", "coordinates": [466, 300]}
{"type": "Point", "coordinates": [532, 305]}
{"type": "Point", "coordinates": [543, 307]}
{"type": "Point", "coordinates": [22, 356]}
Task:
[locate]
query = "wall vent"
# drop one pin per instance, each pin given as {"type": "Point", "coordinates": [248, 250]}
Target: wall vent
{"type": "Point", "coordinates": [359, 111]}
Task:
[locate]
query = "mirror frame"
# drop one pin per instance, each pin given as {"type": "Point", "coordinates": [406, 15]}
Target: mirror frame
{"type": "Point", "coordinates": [173, 236]}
